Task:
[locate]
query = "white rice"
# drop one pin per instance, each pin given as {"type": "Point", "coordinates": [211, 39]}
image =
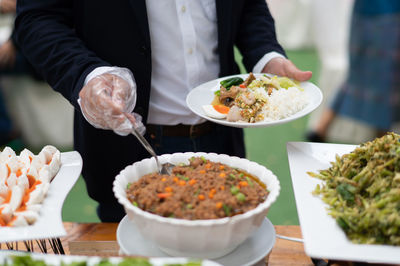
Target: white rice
{"type": "Point", "coordinates": [284, 103]}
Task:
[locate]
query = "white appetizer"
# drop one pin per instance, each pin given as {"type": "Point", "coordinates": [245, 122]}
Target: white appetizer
{"type": "Point", "coordinates": [24, 182]}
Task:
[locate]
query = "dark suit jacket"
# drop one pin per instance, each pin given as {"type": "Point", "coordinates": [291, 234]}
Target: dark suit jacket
{"type": "Point", "coordinates": [66, 39]}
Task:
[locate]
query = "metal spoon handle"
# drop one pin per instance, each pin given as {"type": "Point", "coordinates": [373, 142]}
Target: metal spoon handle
{"type": "Point", "coordinates": [147, 146]}
{"type": "Point", "coordinates": [144, 142]}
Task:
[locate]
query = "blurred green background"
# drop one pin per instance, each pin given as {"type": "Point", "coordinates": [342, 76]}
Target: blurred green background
{"type": "Point", "coordinates": [266, 146]}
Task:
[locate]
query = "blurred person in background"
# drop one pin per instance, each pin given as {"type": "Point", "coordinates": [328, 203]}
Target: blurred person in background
{"type": "Point", "coordinates": [371, 93]}
{"type": "Point", "coordinates": [8, 56]}
{"type": "Point", "coordinates": [324, 26]}
{"type": "Point", "coordinates": [103, 57]}
{"type": "Point", "coordinates": [12, 64]}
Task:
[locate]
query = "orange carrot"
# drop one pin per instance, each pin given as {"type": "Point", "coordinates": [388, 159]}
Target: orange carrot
{"type": "Point", "coordinates": [201, 197]}
{"type": "Point", "coordinates": [31, 180]}
{"type": "Point", "coordinates": [8, 198]}
{"type": "Point", "coordinates": [219, 205]}
{"type": "Point", "coordinates": [202, 171]}
{"type": "Point", "coordinates": [222, 174]}
{"type": "Point", "coordinates": [21, 208]}
{"type": "Point", "coordinates": [164, 195]}
{"type": "Point", "coordinates": [32, 188]}
{"type": "Point", "coordinates": [26, 197]}
{"type": "Point", "coordinates": [182, 182]}
{"type": "Point", "coordinates": [192, 182]}
{"type": "Point", "coordinates": [9, 170]}
{"type": "Point", "coordinates": [18, 173]}
{"type": "Point", "coordinates": [168, 189]}
{"type": "Point", "coordinates": [2, 222]}
{"type": "Point", "coordinates": [243, 184]}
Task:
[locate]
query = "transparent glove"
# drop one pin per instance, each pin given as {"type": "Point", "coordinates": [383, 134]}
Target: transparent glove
{"type": "Point", "coordinates": [106, 100]}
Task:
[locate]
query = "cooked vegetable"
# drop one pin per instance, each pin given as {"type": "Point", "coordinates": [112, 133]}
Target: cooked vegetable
{"type": "Point", "coordinates": [362, 189]}
{"type": "Point", "coordinates": [228, 83]}
{"type": "Point", "coordinates": [286, 83]}
{"type": "Point", "coordinates": [29, 261]}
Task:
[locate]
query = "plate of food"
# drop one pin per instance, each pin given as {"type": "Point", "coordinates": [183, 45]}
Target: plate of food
{"type": "Point", "coordinates": [253, 100]}
{"type": "Point", "coordinates": [348, 199]}
{"type": "Point", "coordinates": [32, 191]}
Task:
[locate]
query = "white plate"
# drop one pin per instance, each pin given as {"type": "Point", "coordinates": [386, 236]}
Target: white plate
{"type": "Point", "coordinates": [49, 223]}
{"type": "Point", "coordinates": [204, 94]}
{"type": "Point", "coordinates": [323, 238]}
{"type": "Point", "coordinates": [254, 249]}
{"type": "Point", "coordinates": [56, 260]}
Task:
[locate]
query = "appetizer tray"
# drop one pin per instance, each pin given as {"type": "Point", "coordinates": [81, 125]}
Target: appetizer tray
{"type": "Point", "coordinates": [204, 94]}
{"type": "Point", "coordinates": [49, 223]}
{"type": "Point", "coordinates": [323, 238]}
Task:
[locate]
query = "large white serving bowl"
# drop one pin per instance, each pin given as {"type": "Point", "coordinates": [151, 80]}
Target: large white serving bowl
{"type": "Point", "coordinates": [196, 238]}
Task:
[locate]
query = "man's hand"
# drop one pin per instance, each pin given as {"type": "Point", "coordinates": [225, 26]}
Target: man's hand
{"type": "Point", "coordinates": [105, 99]}
{"type": "Point", "coordinates": [8, 54]}
{"type": "Point", "coordinates": [283, 67]}
{"type": "Point", "coordinates": [8, 6]}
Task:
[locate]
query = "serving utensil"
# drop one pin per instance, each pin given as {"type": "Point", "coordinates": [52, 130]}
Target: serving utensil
{"type": "Point", "coordinates": [164, 169]}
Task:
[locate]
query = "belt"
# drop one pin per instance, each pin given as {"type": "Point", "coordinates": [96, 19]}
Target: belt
{"type": "Point", "coordinates": [181, 130]}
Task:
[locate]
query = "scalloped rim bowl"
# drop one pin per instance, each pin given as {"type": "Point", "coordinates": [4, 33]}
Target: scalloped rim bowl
{"type": "Point", "coordinates": [196, 238]}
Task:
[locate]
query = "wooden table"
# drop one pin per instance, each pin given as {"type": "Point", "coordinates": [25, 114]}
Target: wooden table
{"type": "Point", "coordinates": [99, 239]}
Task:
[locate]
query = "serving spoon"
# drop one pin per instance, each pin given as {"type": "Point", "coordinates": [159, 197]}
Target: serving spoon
{"type": "Point", "coordinates": [164, 169]}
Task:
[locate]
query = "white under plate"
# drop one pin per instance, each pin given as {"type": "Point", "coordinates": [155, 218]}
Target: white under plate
{"type": "Point", "coordinates": [49, 223]}
{"type": "Point", "coordinates": [323, 238]}
{"type": "Point", "coordinates": [254, 249]}
{"type": "Point", "coordinates": [204, 94]}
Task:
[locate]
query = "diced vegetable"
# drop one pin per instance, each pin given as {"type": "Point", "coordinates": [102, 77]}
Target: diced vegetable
{"type": "Point", "coordinates": [227, 210]}
{"type": "Point", "coordinates": [241, 197]}
{"type": "Point", "coordinates": [234, 190]}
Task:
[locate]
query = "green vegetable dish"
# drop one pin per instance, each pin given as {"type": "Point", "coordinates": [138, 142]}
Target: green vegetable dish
{"type": "Point", "coordinates": [29, 261]}
{"type": "Point", "coordinates": [362, 189]}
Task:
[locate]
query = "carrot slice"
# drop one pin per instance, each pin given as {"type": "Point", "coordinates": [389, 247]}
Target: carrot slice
{"type": "Point", "coordinates": [8, 198]}
{"type": "Point", "coordinates": [18, 173]}
{"type": "Point", "coordinates": [164, 195]}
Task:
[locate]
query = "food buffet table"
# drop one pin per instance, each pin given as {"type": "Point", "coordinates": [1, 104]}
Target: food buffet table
{"type": "Point", "coordinates": [99, 239]}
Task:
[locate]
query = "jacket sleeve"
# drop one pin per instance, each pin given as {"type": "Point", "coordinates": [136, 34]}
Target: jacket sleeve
{"type": "Point", "coordinates": [256, 34]}
{"type": "Point", "coordinates": [45, 35]}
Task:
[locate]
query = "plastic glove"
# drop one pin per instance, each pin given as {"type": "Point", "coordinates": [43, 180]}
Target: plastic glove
{"type": "Point", "coordinates": [107, 98]}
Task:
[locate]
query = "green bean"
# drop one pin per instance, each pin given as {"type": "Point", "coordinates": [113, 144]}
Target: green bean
{"type": "Point", "coordinates": [362, 191]}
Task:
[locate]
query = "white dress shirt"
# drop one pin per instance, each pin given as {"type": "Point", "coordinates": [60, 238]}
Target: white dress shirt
{"type": "Point", "coordinates": [184, 42]}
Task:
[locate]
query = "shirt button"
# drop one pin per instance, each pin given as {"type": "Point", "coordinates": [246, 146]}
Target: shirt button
{"type": "Point", "coordinates": [190, 51]}
{"type": "Point", "coordinates": [183, 9]}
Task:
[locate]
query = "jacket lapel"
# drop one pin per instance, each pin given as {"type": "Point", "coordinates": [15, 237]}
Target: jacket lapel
{"type": "Point", "coordinates": [139, 8]}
